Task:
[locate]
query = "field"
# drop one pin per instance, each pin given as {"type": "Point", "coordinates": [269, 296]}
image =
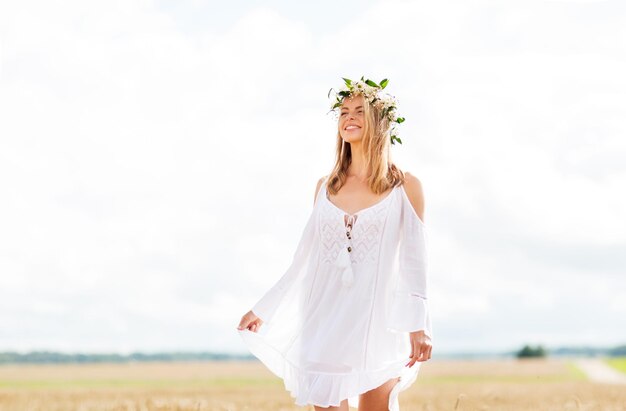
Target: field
{"type": "Point", "coordinates": [618, 363]}
{"type": "Point", "coordinates": [229, 386]}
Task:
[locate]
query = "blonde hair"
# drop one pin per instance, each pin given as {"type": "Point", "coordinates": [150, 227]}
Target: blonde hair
{"type": "Point", "coordinates": [381, 172]}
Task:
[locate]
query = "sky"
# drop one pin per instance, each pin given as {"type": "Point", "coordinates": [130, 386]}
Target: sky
{"type": "Point", "coordinates": [158, 162]}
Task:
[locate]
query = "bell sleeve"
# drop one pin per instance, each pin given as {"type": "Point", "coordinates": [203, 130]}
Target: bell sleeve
{"type": "Point", "coordinates": [266, 307]}
{"type": "Point", "coordinates": [409, 308]}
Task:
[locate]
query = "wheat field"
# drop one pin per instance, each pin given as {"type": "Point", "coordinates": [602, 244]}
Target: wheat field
{"type": "Point", "coordinates": [536, 384]}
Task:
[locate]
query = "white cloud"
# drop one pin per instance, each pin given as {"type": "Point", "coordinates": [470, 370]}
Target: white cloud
{"type": "Point", "coordinates": [157, 170]}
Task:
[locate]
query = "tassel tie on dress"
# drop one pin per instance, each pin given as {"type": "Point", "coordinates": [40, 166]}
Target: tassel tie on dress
{"type": "Point", "coordinates": [343, 261]}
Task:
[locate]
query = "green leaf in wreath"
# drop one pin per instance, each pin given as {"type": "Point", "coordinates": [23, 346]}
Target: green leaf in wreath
{"type": "Point", "coordinates": [383, 83]}
{"type": "Point", "coordinates": [371, 83]}
{"type": "Point", "coordinates": [400, 120]}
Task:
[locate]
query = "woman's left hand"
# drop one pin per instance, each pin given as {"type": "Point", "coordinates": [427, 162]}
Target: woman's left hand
{"type": "Point", "coordinates": [421, 347]}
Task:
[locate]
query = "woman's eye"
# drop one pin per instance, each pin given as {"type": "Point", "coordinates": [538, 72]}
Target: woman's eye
{"type": "Point", "coordinates": [359, 112]}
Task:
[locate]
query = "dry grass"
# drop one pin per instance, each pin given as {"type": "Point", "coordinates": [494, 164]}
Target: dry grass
{"type": "Point", "coordinates": [229, 386]}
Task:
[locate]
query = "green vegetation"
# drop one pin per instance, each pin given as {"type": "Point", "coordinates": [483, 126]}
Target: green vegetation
{"type": "Point", "coordinates": [619, 363]}
{"type": "Point", "coordinates": [51, 357]}
{"type": "Point", "coordinates": [575, 371]}
{"type": "Point", "coordinates": [619, 351]}
{"type": "Point", "coordinates": [529, 352]}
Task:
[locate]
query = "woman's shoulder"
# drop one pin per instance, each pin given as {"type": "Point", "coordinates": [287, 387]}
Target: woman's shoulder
{"type": "Point", "coordinates": [411, 183]}
{"type": "Point", "coordinates": [415, 193]}
{"type": "Point", "coordinates": [317, 188]}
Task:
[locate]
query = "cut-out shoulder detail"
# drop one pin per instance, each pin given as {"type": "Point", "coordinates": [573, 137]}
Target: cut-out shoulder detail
{"type": "Point", "coordinates": [415, 194]}
{"type": "Point", "coordinates": [317, 189]}
{"type": "Point", "coordinates": [411, 208]}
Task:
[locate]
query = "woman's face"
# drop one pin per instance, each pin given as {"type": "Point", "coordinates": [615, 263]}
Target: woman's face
{"type": "Point", "coordinates": [352, 119]}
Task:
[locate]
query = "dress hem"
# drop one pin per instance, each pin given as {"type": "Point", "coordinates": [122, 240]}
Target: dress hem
{"type": "Point", "coordinates": [298, 382]}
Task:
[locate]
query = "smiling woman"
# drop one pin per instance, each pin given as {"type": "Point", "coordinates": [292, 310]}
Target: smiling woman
{"type": "Point", "coordinates": [348, 324]}
{"type": "Point", "coordinates": [354, 127]}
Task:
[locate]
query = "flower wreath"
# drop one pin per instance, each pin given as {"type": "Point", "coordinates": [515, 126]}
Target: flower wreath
{"type": "Point", "coordinates": [373, 93]}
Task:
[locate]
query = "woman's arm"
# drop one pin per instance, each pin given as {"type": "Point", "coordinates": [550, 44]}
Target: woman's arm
{"type": "Point", "coordinates": [266, 306]}
{"type": "Point", "coordinates": [410, 311]}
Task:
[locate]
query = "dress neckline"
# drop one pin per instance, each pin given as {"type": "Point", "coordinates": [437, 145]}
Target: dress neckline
{"type": "Point", "coordinates": [379, 202]}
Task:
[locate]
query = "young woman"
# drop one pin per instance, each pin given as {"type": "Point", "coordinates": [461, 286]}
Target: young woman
{"type": "Point", "coordinates": [348, 324]}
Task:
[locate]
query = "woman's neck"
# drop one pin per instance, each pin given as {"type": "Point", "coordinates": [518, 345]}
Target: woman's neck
{"type": "Point", "coordinates": [357, 168]}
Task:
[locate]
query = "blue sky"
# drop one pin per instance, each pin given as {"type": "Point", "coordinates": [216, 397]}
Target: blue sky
{"type": "Point", "coordinates": [143, 149]}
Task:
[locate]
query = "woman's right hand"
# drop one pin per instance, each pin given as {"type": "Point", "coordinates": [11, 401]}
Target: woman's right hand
{"type": "Point", "coordinates": [250, 321]}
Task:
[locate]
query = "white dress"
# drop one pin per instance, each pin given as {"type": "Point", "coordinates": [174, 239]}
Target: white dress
{"type": "Point", "coordinates": [336, 323]}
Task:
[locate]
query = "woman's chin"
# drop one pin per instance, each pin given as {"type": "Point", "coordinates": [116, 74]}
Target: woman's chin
{"type": "Point", "coordinates": [352, 139]}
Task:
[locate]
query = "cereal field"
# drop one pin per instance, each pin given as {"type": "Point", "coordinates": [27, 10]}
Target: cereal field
{"type": "Point", "coordinates": [442, 385]}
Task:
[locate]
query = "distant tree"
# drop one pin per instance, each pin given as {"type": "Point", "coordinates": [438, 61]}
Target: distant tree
{"type": "Point", "coordinates": [42, 357]}
{"type": "Point", "coordinates": [529, 352]}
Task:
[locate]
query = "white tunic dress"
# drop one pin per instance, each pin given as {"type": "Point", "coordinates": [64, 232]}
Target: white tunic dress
{"type": "Point", "coordinates": [336, 323]}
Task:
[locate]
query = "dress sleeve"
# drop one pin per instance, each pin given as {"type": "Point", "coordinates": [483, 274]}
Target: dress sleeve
{"type": "Point", "coordinates": [409, 308]}
{"type": "Point", "coordinates": [266, 307]}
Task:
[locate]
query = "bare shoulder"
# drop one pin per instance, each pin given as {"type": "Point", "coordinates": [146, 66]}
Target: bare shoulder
{"type": "Point", "coordinates": [317, 189]}
{"type": "Point", "coordinates": [415, 193]}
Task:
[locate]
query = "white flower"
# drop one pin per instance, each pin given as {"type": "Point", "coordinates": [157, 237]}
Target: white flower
{"type": "Point", "coordinates": [374, 95]}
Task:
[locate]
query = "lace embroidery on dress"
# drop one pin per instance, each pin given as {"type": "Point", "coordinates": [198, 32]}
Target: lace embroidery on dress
{"type": "Point", "coordinates": [363, 237]}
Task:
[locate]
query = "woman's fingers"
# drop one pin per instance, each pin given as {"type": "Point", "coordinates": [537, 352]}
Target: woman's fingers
{"type": "Point", "coordinates": [425, 350]}
{"type": "Point", "coordinates": [422, 354]}
{"type": "Point", "coordinates": [247, 320]}
{"type": "Point", "coordinates": [243, 324]}
{"type": "Point", "coordinates": [420, 350]}
{"type": "Point", "coordinates": [414, 352]}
